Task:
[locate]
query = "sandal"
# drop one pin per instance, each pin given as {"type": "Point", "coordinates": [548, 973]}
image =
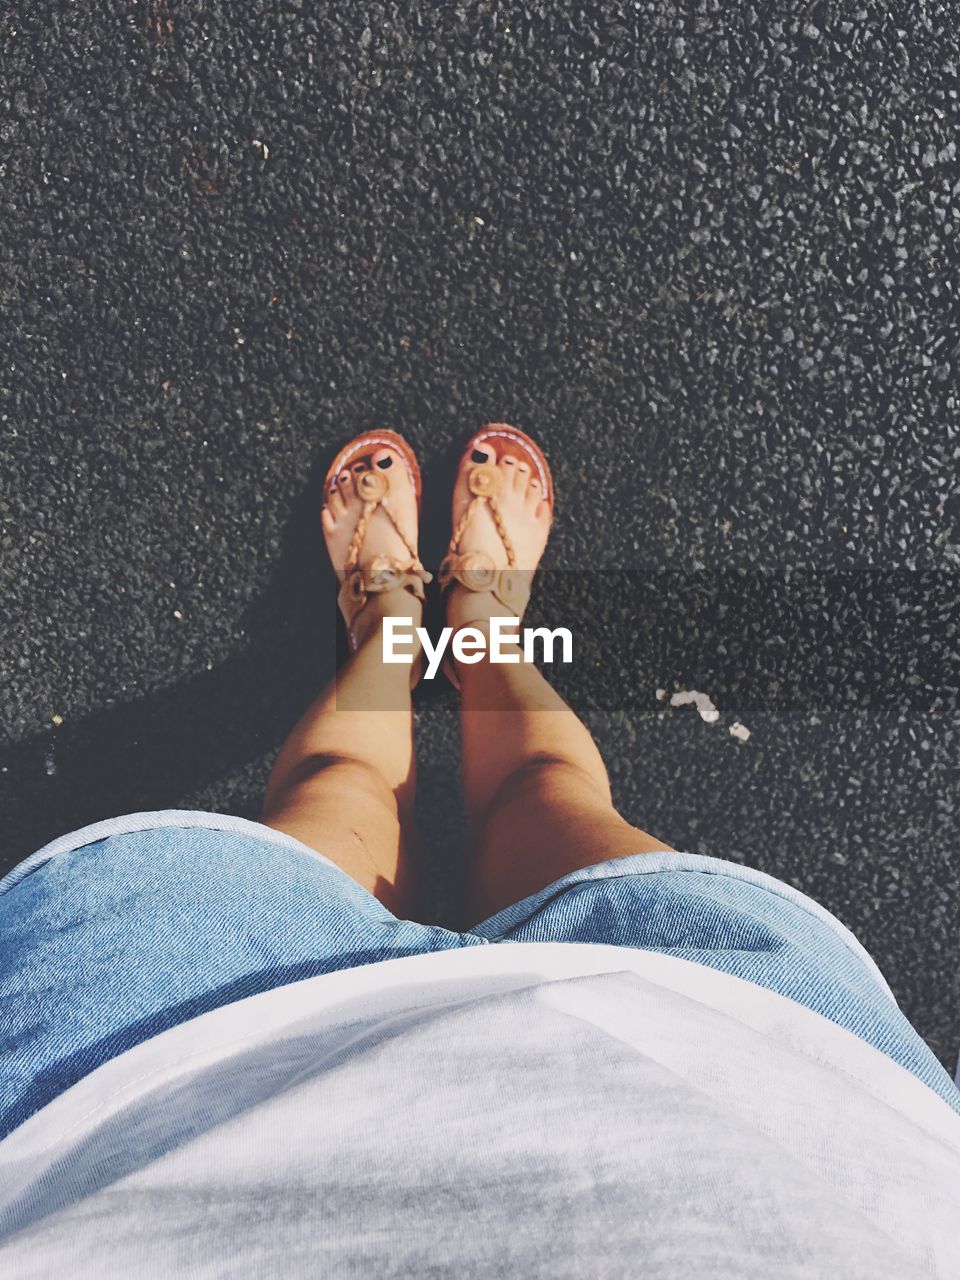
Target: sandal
{"type": "Point", "coordinates": [501, 448]}
{"type": "Point", "coordinates": [361, 578]}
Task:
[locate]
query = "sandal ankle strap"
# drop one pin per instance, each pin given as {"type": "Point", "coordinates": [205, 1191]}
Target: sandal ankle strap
{"type": "Point", "coordinates": [477, 571]}
{"type": "Point", "coordinates": [382, 573]}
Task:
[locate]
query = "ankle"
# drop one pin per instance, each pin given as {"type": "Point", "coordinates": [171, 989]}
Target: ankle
{"type": "Point", "coordinates": [466, 608]}
{"type": "Point", "coordinates": [486, 642]}
{"type": "Point", "coordinates": [399, 603]}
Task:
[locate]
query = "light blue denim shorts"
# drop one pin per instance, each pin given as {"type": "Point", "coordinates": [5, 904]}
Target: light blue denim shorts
{"type": "Point", "coordinates": [113, 934]}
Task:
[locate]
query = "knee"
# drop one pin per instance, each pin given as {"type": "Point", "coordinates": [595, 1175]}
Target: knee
{"type": "Point", "coordinates": [546, 778]}
{"type": "Point", "coordinates": [345, 777]}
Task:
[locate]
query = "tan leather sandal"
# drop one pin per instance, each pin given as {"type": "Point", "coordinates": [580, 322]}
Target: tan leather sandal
{"type": "Point", "coordinates": [477, 570]}
{"type": "Point", "coordinates": [359, 578]}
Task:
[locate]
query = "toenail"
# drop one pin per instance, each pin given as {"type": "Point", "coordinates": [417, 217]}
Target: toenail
{"type": "Point", "coordinates": [510, 462]}
{"type": "Point", "coordinates": [385, 462]}
{"type": "Point", "coordinates": [478, 455]}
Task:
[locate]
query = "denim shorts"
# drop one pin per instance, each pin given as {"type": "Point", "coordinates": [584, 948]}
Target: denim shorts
{"type": "Point", "coordinates": [117, 932]}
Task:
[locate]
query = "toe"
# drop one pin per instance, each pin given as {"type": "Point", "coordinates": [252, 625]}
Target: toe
{"type": "Point", "coordinates": [328, 519]}
{"type": "Point", "coordinates": [336, 503]}
{"type": "Point", "coordinates": [480, 454]}
{"type": "Point", "coordinates": [482, 451]}
{"type": "Point", "coordinates": [386, 460]}
{"type": "Point", "coordinates": [521, 480]}
{"type": "Point", "coordinates": [392, 465]}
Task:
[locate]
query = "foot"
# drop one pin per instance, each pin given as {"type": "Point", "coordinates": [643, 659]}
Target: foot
{"type": "Point", "coordinates": [341, 517]}
{"type": "Point", "coordinates": [526, 516]}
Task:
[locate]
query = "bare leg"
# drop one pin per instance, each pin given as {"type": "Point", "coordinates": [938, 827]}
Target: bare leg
{"type": "Point", "coordinates": [343, 782]}
{"type": "Point", "coordinates": [536, 789]}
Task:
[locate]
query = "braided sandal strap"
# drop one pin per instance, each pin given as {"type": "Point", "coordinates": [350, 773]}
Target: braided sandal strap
{"type": "Point", "coordinates": [476, 570]}
{"type": "Point", "coordinates": [382, 573]}
{"type": "Point", "coordinates": [485, 481]}
{"type": "Point", "coordinates": [372, 487]}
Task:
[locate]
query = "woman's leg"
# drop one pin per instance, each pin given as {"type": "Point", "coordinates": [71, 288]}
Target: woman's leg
{"type": "Point", "coordinates": [536, 788]}
{"type": "Point", "coordinates": [343, 782]}
{"type": "Point", "coordinates": [344, 779]}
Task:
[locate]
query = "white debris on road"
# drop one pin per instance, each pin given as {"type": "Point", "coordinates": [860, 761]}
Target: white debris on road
{"type": "Point", "coordinates": [706, 709]}
{"type": "Point", "coordinates": [702, 701]}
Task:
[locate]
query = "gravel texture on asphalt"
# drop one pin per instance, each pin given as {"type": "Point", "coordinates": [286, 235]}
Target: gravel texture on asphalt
{"type": "Point", "coordinates": [706, 252]}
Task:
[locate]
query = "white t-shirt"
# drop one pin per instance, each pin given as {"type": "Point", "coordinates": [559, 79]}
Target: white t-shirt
{"type": "Point", "coordinates": [532, 1109]}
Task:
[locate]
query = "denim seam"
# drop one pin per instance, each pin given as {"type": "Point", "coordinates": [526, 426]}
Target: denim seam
{"type": "Point", "coordinates": [230, 822]}
{"type": "Point", "coordinates": [217, 822]}
{"type": "Point", "coordinates": [859, 951]}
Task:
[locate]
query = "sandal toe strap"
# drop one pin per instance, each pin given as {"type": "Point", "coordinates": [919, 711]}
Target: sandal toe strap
{"type": "Point", "coordinates": [476, 571]}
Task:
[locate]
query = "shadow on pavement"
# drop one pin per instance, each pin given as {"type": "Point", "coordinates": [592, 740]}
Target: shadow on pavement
{"type": "Point", "coordinates": [151, 752]}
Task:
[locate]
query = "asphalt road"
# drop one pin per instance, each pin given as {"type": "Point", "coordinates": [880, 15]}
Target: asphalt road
{"type": "Point", "coordinates": [707, 253]}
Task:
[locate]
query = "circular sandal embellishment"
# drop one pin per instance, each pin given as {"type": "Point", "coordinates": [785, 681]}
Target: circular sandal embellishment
{"type": "Point", "coordinates": [476, 570]}
{"type": "Point", "coordinates": [484, 480]}
{"type": "Point", "coordinates": [476, 579]}
{"type": "Point", "coordinates": [371, 485]}
{"type": "Point", "coordinates": [383, 574]}
{"type": "Point", "coordinates": [472, 560]}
